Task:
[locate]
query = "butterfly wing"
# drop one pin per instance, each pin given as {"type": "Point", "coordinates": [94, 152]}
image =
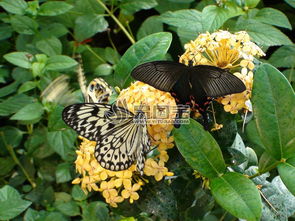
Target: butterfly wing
{"type": "Point", "coordinates": [112, 127]}
{"type": "Point", "coordinates": [98, 91]}
{"type": "Point", "coordinates": [215, 81]}
{"type": "Point", "coordinates": [159, 74]}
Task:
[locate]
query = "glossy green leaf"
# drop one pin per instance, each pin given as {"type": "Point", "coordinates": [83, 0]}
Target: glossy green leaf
{"type": "Point", "coordinates": [151, 25]}
{"type": "Point", "coordinates": [5, 31]}
{"type": "Point", "coordinates": [11, 203]}
{"type": "Point", "coordinates": [29, 112]}
{"type": "Point", "coordinates": [238, 195]}
{"type": "Point", "coordinates": [88, 25]}
{"type": "Point", "coordinates": [20, 59]}
{"type": "Point", "coordinates": [7, 164]}
{"type": "Point", "coordinates": [95, 211]}
{"type": "Point", "coordinates": [12, 136]}
{"type": "Point", "coordinates": [214, 16]}
{"type": "Point", "coordinates": [52, 8]}
{"type": "Point", "coordinates": [15, 7]}
{"type": "Point", "coordinates": [24, 24]}
{"type": "Point", "coordinates": [62, 142]}
{"type": "Point", "coordinates": [273, 17]}
{"type": "Point", "coordinates": [263, 34]}
{"type": "Point", "coordinates": [131, 6]}
{"type": "Point", "coordinates": [273, 104]}
{"type": "Point", "coordinates": [27, 86]}
{"type": "Point", "coordinates": [34, 215]}
{"type": "Point", "coordinates": [187, 21]}
{"type": "Point", "coordinates": [63, 173]}
{"type": "Point", "coordinates": [253, 137]}
{"type": "Point", "coordinates": [78, 194]}
{"type": "Point", "coordinates": [199, 149]}
{"type": "Point", "coordinates": [266, 162]}
{"type": "Point", "coordinates": [70, 208]}
{"type": "Point", "coordinates": [159, 200]}
{"type": "Point", "coordinates": [291, 3]}
{"type": "Point", "coordinates": [14, 103]}
{"type": "Point", "coordinates": [150, 48]}
{"type": "Point", "coordinates": [50, 46]}
{"type": "Point", "coordinates": [60, 62]}
{"type": "Point", "coordinates": [284, 57]}
{"type": "Point", "coordinates": [103, 70]}
{"type": "Point", "coordinates": [54, 120]}
{"type": "Point", "coordinates": [251, 3]}
{"type": "Point", "coordinates": [287, 173]}
{"type": "Point", "coordinates": [166, 5]}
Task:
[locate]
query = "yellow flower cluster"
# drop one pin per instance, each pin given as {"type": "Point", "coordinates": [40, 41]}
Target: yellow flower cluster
{"type": "Point", "coordinates": [116, 186]}
{"type": "Point", "coordinates": [226, 50]}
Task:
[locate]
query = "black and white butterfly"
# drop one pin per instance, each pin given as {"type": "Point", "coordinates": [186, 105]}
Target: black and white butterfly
{"type": "Point", "coordinates": [121, 136]}
{"type": "Point", "coordinates": [192, 85]}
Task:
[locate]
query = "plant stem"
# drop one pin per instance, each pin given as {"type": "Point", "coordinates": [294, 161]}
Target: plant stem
{"type": "Point", "coordinates": [117, 21]}
{"type": "Point", "coordinates": [265, 170]}
{"type": "Point", "coordinates": [95, 54]}
{"type": "Point", "coordinates": [17, 162]}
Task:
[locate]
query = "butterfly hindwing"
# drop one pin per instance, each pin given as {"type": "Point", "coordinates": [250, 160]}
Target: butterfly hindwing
{"type": "Point", "coordinates": [98, 91]}
{"type": "Point", "coordinates": [215, 82]}
{"type": "Point", "coordinates": [159, 74]}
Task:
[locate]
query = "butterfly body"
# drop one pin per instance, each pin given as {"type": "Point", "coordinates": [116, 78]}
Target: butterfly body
{"type": "Point", "coordinates": [192, 85]}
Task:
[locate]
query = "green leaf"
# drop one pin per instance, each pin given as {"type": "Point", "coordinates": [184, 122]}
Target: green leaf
{"type": "Point", "coordinates": [266, 162]}
{"type": "Point", "coordinates": [53, 8]}
{"type": "Point", "coordinates": [50, 46]}
{"type": "Point", "coordinates": [24, 25]}
{"type": "Point", "coordinates": [15, 7]}
{"type": "Point", "coordinates": [238, 150]}
{"type": "Point", "coordinates": [199, 149]}
{"type": "Point", "coordinates": [251, 3]}
{"type": "Point", "coordinates": [95, 211]}
{"type": "Point", "coordinates": [253, 137]}
{"type": "Point", "coordinates": [150, 48]}
{"type": "Point", "coordinates": [88, 25]}
{"type": "Point", "coordinates": [291, 3]}
{"type": "Point", "coordinates": [60, 62]}
{"type": "Point", "coordinates": [14, 103]}
{"type": "Point", "coordinates": [12, 136]}
{"type": "Point", "coordinates": [273, 104]}
{"type": "Point", "coordinates": [11, 203]}
{"type": "Point", "coordinates": [27, 86]}
{"type": "Point", "coordinates": [284, 57]}
{"type": "Point", "coordinates": [78, 194]}
{"type": "Point", "coordinates": [263, 34]}
{"type": "Point", "coordinates": [151, 25]}
{"type": "Point", "coordinates": [29, 112]}
{"type": "Point", "coordinates": [273, 17]}
{"type": "Point", "coordinates": [5, 31]}
{"type": "Point", "coordinates": [34, 215]}
{"type": "Point", "coordinates": [187, 21]}
{"type": "Point", "coordinates": [62, 142]}
{"type": "Point", "coordinates": [214, 16]}
{"type": "Point", "coordinates": [159, 199]}
{"type": "Point", "coordinates": [21, 59]}
{"type": "Point", "coordinates": [165, 5]}
{"type": "Point", "coordinates": [54, 120]}
{"type": "Point", "coordinates": [103, 70]}
{"type": "Point", "coordinates": [129, 7]}
{"type": "Point", "coordinates": [63, 173]}
{"type": "Point", "coordinates": [238, 195]}
{"type": "Point", "coordinates": [70, 208]}
{"type": "Point", "coordinates": [287, 173]}
{"type": "Point", "coordinates": [7, 164]}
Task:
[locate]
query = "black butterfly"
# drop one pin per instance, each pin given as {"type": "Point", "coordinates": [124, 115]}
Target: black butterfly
{"type": "Point", "coordinates": [192, 85]}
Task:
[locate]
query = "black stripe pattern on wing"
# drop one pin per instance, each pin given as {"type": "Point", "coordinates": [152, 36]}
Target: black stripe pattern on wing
{"type": "Point", "coordinates": [120, 141]}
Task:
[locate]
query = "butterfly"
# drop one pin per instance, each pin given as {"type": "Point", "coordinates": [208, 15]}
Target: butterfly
{"type": "Point", "coordinates": [121, 136]}
{"type": "Point", "coordinates": [195, 86]}
{"type": "Point", "coordinates": [98, 91]}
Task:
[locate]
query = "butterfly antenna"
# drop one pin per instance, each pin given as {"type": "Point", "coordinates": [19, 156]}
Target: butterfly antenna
{"type": "Point", "coordinates": [81, 77]}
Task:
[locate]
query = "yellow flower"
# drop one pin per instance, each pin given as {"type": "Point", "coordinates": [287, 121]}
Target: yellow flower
{"type": "Point", "coordinates": [124, 177]}
{"type": "Point", "coordinates": [226, 50]}
{"type": "Point", "coordinates": [158, 170]}
{"type": "Point", "coordinates": [113, 199]}
{"type": "Point", "coordinates": [107, 189]}
{"type": "Point", "coordinates": [130, 192]}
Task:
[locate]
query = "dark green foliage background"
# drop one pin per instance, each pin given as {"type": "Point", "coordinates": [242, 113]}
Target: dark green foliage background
{"type": "Point", "coordinates": [37, 151]}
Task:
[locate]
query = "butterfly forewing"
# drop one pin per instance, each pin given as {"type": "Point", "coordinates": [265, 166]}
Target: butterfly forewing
{"type": "Point", "coordinates": [159, 74]}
